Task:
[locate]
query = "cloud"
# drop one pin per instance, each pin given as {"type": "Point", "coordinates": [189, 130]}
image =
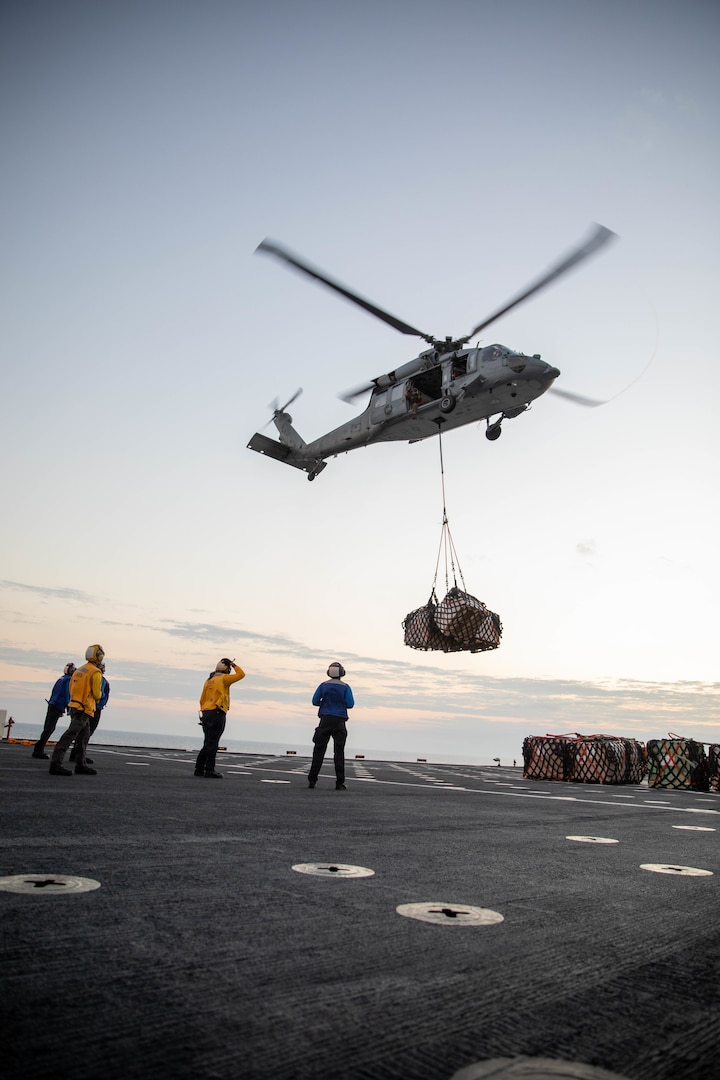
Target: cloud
{"type": "Point", "coordinates": [49, 592]}
{"type": "Point", "coordinates": [221, 635]}
{"type": "Point", "coordinates": [395, 697]}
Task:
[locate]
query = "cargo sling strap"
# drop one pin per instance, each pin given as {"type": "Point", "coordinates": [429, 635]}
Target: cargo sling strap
{"type": "Point", "coordinates": [460, 622]}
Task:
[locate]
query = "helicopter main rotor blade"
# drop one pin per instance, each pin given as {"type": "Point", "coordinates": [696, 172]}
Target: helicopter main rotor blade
{"type": "Point", "coordinates": [577, 399]}
{"type": "Point", "coordinates": [350, 395]}
{"type": "Point", "coordinates": [270, 248]}
{"type": "Point", "coordinates": [597, 239]}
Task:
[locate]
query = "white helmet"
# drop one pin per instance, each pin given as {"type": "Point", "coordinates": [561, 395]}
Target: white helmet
{"type": "Point", "coordinates": [69, 668]}
{"type": "Point", "coordinates": [336, 670]}
{"type": "Point", "coordinates": [96, 653]}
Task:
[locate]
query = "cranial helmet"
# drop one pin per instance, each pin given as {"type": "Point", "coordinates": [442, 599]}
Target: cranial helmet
{"type": "Point", "coordinates": [95, 653]}
{"type": "Point", "coordinates": [69, 668]}
{"type": "Point", "coordinates": [336, 670]}
{"type": "Point", "coordinates": [223, 666]}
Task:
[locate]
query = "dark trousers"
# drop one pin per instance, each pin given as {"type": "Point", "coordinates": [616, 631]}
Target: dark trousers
{"type": "Point", "coordinates": [91, 731]}
{"type": "Point", "coordinates": [330, 727]}
{"type": "Point", "coordinates": [213, 724]}
{"type": "Point", "coordinates": [79, 733]}
{"type": "Point", "coordinates": [51, 718]}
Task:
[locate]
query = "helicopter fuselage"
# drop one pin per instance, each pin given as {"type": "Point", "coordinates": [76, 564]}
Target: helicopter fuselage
{"type": "Point", "coordinates": [435, 390]}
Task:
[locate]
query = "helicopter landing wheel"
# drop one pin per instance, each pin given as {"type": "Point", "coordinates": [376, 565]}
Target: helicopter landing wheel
{"type": "Point", "coordinates": [447, 403]}
{"type": "Point", "coordinates": [493, 432]}
{"type": "Point", "coordinates": [312, 475]}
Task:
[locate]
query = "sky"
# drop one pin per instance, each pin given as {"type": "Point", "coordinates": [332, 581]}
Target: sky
{"type": "Point", "coordinates": [435, 157]}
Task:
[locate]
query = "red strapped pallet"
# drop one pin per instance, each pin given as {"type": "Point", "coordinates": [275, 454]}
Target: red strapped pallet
{"type": "Point", "coordinates": [583, 759]}
{"type": "Point", "coordinates": [677, 763]}
{"type": "Point", "coordinates": [714, 766]}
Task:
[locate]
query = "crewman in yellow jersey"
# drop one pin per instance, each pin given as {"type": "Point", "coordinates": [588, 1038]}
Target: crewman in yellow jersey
{"type": "Point", "coordinates": [214, 704]}
{"type": "Point", "coordinates": [85, 692]}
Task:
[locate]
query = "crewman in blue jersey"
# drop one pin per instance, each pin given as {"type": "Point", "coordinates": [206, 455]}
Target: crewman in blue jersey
{"type": "Point", "coordinates": [57, 704]}
{"type": "Point", "coordinates": [333, 699]}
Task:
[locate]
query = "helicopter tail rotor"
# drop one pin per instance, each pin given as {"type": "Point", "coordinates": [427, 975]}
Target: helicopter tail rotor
{"type": "Point", "coordinates": [278, 410]}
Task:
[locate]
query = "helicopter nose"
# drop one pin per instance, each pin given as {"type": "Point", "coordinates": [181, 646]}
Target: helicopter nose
{"type": "Point", "coordinates": [553, 373]}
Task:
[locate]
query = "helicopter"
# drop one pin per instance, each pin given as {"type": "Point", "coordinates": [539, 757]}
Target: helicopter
{"type": "Point", "coordinates": [446, 386]}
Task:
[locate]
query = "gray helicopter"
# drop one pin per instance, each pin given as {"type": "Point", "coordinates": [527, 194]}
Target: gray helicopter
{"type": "Point", "coordinates": [446, 386]}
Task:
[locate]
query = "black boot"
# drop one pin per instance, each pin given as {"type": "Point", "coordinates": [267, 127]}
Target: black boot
{"type": "Point", "coordinates": [85, 770]}
{"type": "Point", "coordinates": [39, 751]}
{"type": "Point", "coordinates": [57, 769]}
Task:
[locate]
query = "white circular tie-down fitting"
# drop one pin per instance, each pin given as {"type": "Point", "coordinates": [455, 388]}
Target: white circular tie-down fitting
{"type": "Point", "coordinates": [445, 914]}
{"type": "Point", "coordinates": [47, 884]}
{"type": "Point", "coordinates": [337, 870]}
{"type": "Point", "coordinates": [678, 871]}
{"type": "Point", "coordinates": [526, 1068]}
{"type": "Point", "coordinates": [593, 839]}
{"type": "Point", "coordinates": [694, 828]}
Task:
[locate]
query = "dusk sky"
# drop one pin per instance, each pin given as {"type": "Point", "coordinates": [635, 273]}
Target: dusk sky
{"type": "Point", "coordinates": [435, 157]}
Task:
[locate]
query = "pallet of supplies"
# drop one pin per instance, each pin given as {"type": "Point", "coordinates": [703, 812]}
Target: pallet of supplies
{"type": "Point", "coordinates": [714, 766]}
{"type": "Point", "coordinates": [468, 621]}
{"type": "Point", "coordinates": [584, 759]}
{"type": "Point", "coordinates": [421, 630]}
{"type": "Point", "coordinates": [459, 623]}
{"type": "Point", "coordinates": [677, 763]}
{"type": "Point", "coordinates": [546, 757]}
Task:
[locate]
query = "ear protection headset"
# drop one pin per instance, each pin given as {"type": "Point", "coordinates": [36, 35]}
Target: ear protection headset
{"type": "Point", "coordinates": [336, 671]}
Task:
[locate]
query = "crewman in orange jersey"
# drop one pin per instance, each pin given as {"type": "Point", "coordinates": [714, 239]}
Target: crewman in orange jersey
{"type": "Point", "coordinates": [85, 692]}
{"type": "Point", "coordinates": [214, 704]}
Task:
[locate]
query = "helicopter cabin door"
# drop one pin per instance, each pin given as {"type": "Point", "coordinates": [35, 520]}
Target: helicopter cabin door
{"type": "Point", "coordinates": [389, 403]}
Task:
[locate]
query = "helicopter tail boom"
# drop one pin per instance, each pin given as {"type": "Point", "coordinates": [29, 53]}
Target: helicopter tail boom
{"type": "Point", "coordinates": [287, 454]}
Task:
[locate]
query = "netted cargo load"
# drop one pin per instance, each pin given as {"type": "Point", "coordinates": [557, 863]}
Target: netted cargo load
{"type": "Point", "coordinates": [460, 622]}
{"type": "Point", "coordinates": [547, 758]}
{"type": "Point", "coordinates": [714, 767]}
{"type": "Point", "coordinates": [421, 631]}
{"type": "Point", "coordinates": [468, 621]}
{"type": "Point", "coordinates": [677, 763]}
{"type": "Point", "coordinates": [602, 759]}
{"type": "Point", "coordinates": [583, 759]}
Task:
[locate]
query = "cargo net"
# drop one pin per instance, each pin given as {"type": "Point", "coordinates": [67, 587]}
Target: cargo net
{"type": "Point", "coordinates": [584, 759]}
{"type": "Point", "coordinates": [678, 763]}
{"type": "Point", "coordinates": [714, 767]}
{"type": "Point", "coordinates": [460, 622]}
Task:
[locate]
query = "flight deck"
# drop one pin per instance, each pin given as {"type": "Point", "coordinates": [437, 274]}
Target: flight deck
{"type": "Point", "coordinates": [430, 919]}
